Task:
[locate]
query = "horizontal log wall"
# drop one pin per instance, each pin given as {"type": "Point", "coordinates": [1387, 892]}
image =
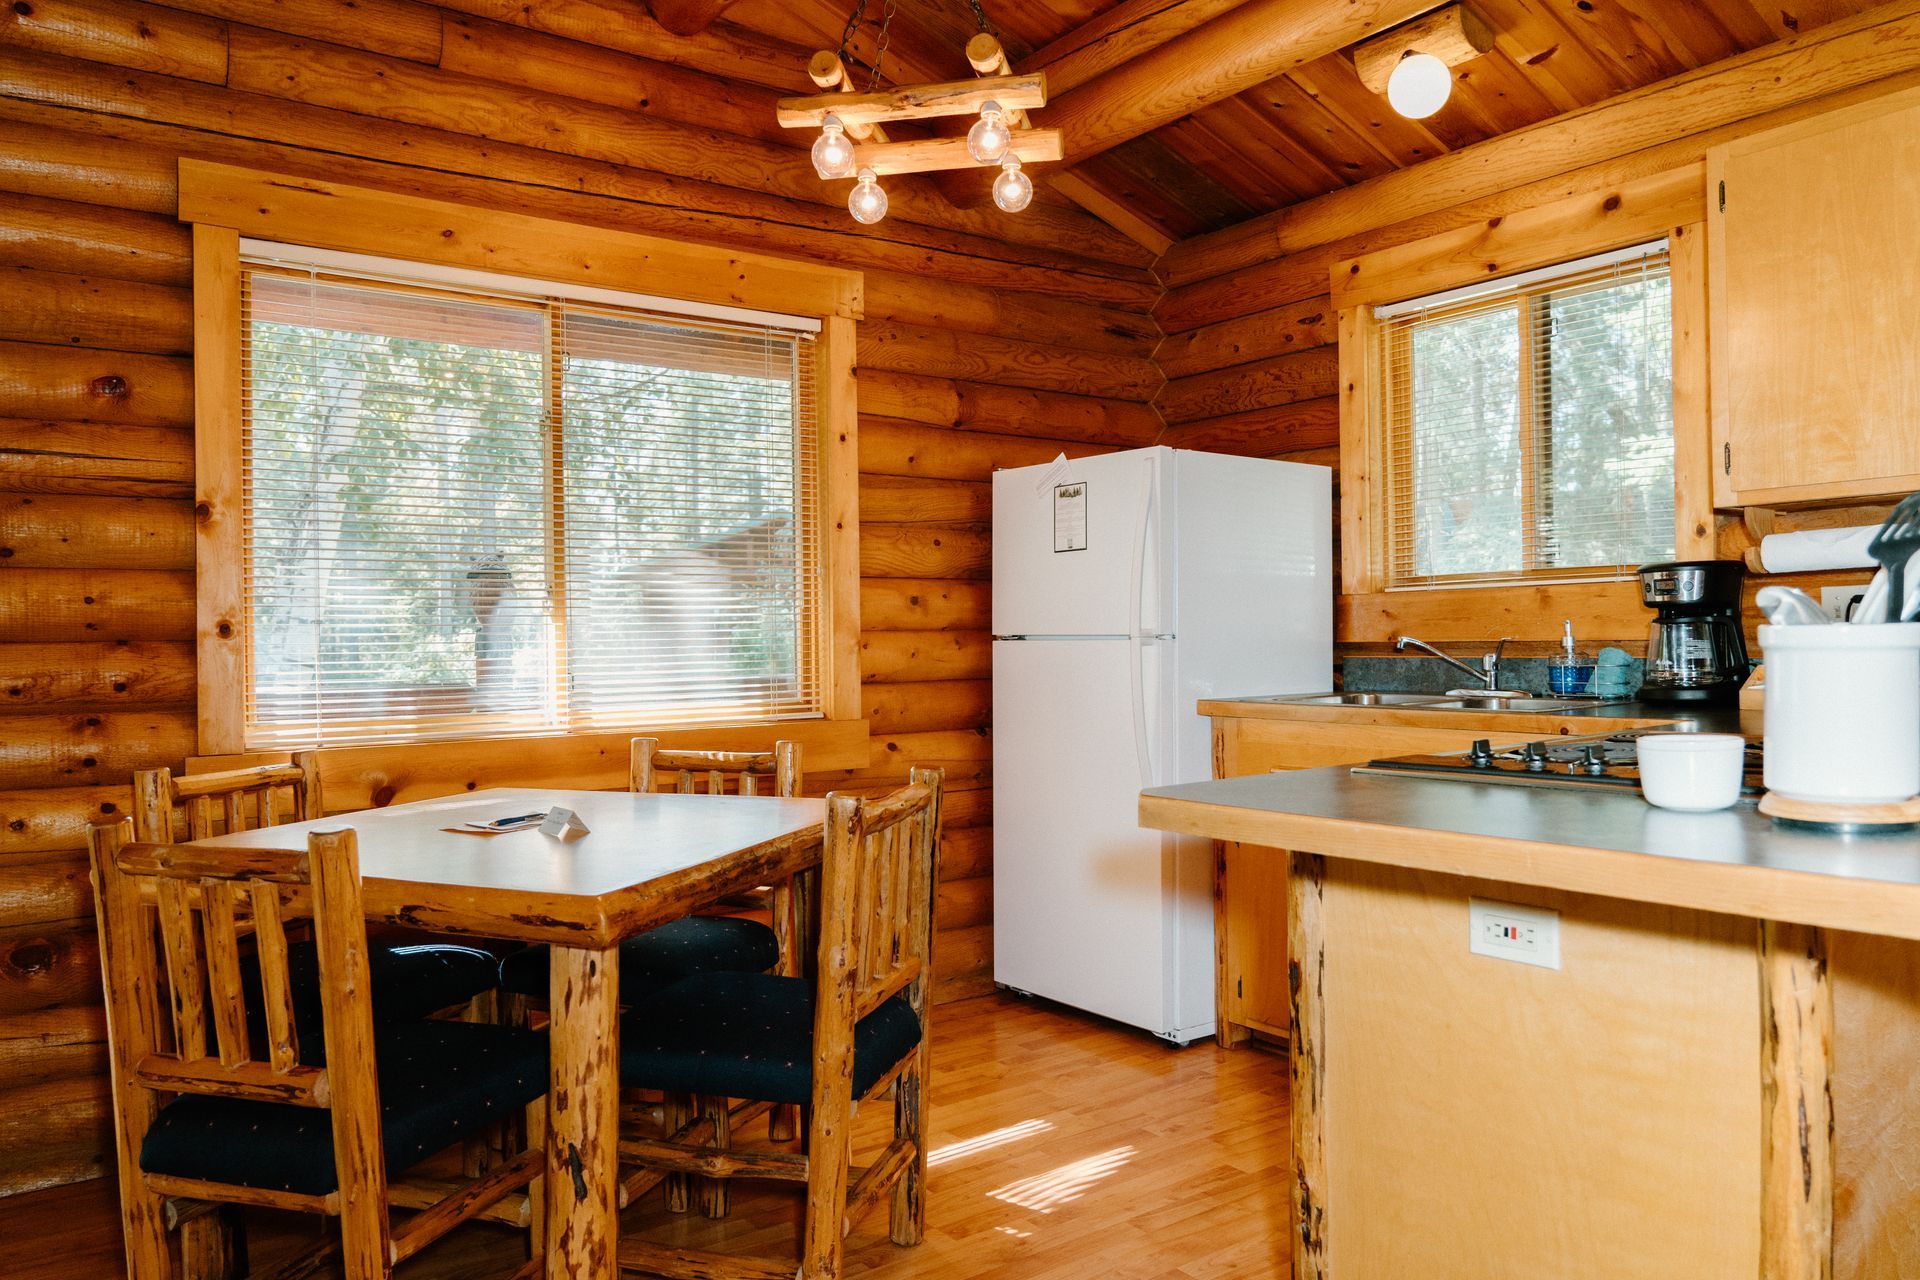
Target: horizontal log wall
{"type": "Point", "coordinates": [982, 333]}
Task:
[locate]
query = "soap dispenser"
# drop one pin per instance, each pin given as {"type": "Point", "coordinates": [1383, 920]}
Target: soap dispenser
{"type": "Point", "coordinates": [1571, 670]}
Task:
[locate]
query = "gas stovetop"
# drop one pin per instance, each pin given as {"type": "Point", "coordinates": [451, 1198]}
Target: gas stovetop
{"type": "Point", "coordinates": [1602, 760]}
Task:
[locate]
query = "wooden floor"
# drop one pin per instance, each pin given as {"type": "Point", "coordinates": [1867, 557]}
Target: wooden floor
{"type": "Point", "coordinates": [1063, 1147]}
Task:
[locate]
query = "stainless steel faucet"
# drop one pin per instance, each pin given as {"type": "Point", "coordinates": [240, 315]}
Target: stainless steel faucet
{"type": "Point", "coordinates": [1488, 673]}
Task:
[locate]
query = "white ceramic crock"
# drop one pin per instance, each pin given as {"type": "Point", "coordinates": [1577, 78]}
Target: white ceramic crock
{"type": "Point", "coordinates": [1843, 712]}
{"type": "Point", "coordinates": [1693, 772]}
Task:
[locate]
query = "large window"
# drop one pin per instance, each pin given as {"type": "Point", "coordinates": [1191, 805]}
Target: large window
{"type": "Point", "coordinates": [483, 511]}
{"type": "Point", "coordinates": [1528, 425]}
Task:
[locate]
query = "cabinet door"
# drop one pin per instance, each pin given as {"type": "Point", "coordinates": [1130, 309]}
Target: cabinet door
{"type": "Point", "coordinates": [1815, 306]}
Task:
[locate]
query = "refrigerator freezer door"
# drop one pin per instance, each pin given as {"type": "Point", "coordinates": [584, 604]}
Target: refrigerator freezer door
{"type": "Point", "coordinates": [1085, 900]}
{"type": "Point", "coordinates": [1074, 547]}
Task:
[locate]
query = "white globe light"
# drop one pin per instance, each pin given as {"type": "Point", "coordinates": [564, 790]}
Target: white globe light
{"type": "Point", "coordinates": [833, 153]}
{"type": "Point", "coordinates": [1419, 85]}
{"type": "Point", "coordinates": [867, 203]}
{"type": "Point", "coordinates": [1012, 190]}
{"type": "Point", "coordinates": [989, 138]}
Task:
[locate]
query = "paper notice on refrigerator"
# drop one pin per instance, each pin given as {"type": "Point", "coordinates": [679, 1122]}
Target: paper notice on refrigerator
{"type": "Point", "coordinates": [1070, 517]}
{"type": "Point", "coordinates": [1055, 473]}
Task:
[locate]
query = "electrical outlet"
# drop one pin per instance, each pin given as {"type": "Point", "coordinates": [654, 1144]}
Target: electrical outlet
{"type": "Point", "coordinates": [1509, 931]}
{"type": "Point", "coordinates": [1839, 601]}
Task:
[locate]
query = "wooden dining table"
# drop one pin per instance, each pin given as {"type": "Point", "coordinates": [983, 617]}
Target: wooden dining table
{"type": "Point", "coordinates": [643, 861]}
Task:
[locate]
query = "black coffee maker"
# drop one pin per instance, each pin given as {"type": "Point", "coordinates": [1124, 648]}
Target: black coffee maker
{"type": "Point", "coordinates": [1696, 650]}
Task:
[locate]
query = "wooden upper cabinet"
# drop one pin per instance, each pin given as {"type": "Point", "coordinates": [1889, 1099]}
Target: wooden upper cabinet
{"type": "Point", "coordinates": [1815, 307]}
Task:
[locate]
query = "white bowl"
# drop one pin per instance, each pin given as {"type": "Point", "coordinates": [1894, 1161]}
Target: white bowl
{"type": "Point", "coordinates": [1692, 772]}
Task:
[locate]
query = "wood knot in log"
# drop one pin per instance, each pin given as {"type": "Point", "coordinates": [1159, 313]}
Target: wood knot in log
{"type": "Point", "coordinates": [108, 384]}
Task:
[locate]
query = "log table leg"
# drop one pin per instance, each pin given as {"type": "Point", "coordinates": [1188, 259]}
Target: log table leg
{"type": "Point", "coordinates": [583, 1128]}
{"type": "Point", "coordinates": [1796, 1154]}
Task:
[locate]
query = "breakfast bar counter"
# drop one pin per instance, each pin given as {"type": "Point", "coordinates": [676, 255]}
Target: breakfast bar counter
{"type": "Point", "coordinates": [1609, 843]}
{"type": "Point", "coordinates": [1704, 1070]}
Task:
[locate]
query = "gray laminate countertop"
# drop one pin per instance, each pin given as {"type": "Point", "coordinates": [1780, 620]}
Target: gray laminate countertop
{"type": "Point", "coordinates": [1588, 841]}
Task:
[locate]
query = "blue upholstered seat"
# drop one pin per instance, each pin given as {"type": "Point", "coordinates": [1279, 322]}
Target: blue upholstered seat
{"type": "Point", "coordinates": [410, 982]}
{"type": "Point", "coordinates": [439, 1082]}
{"type": "Point", "coordinates": [750, 1035]}
{"type": "Point", "coordinates": [658, 958]}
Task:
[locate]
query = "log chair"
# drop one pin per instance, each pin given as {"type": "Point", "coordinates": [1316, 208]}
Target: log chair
{"type": "Point", "coordinates": [227, 1095]}
{"type": "Point", "coordinates": [412, 981]}
{"type": "Point", "coordinates": [858, 1028]}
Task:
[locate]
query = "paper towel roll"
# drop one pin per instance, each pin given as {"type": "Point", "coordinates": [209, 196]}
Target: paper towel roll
{"type": "Point", "coordinates": [1818, 549]}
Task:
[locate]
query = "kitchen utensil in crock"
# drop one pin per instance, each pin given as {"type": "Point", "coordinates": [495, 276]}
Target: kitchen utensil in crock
{"type": "Point", "coordinates": [1790, 607]}
{"type": "Point", "coordinates": [1893, 546]}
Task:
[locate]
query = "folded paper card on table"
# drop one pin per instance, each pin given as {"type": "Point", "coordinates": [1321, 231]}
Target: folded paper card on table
{"type": "Point", "coordinates": [564, 823]}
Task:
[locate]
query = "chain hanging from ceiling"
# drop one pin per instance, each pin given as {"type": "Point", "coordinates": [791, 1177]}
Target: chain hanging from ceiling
{"type": "Point", "coordinates": [853, 142]}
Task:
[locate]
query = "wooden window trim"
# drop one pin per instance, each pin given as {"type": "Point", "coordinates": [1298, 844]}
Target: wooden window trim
{"type": "Point", "coordinates": [224, 203]}
{"type": "Point", "coordinates": [1671, 204]}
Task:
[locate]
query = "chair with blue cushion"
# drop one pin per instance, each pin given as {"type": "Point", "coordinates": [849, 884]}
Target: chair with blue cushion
{"type": "Point", "coordinates": [221, 1095]}
{"type": "Point", "coordinates": [654, 960]}
{"type": "Point", "coordinates": [410, 980]}
{"type": "Point", "coordinates": [855, 1030]}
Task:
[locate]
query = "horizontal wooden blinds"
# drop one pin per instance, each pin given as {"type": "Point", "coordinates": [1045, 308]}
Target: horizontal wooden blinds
{"type": "Point", "coordinates": [474, 513]}
{"type": "Point", "coordinates": [1529, 425]}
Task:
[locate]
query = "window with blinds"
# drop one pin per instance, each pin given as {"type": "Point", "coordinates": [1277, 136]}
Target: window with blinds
{"type": "Point", "coordinates": [1528, 425]}
{"type": "Point", "coordinates": [475, 512]}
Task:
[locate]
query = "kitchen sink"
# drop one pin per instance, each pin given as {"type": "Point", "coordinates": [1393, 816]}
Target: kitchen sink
{"type": "Point", "coordinates": [1366, 700]}
{"type": "Point", "coordinates": [1505, 704]}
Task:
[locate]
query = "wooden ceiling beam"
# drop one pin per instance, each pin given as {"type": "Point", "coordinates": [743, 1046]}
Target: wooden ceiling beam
{"type": "Point", "coordinates": [1117, 213]}
{"type": "Point", "coordinates": [1119, 35]}
{"type": "Point", "coordinates": [687, 17]}
{"type": "Point", "coordinates": [1247, 46]}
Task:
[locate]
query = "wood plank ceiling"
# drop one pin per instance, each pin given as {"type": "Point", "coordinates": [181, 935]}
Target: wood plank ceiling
{"type": "Point", "coordinates": [1316, 128]}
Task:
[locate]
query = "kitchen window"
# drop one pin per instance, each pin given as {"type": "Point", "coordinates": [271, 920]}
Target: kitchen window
{"type": "Point", "coordinates": [479, 507]}
{"type": "Point", "coordinates": [1527, 425]}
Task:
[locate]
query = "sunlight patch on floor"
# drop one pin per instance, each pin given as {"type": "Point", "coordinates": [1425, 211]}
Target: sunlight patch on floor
{"type": "Point", "coordinates": [987, 1141]}
{"type": "Point", "coordinates": [1043, 1192]}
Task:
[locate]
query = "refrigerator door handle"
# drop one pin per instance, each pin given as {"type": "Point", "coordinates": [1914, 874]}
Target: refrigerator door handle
{"type": "Point", "coordinates": [1136, 640]}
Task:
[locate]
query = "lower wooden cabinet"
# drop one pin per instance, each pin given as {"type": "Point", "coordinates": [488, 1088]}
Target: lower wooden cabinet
{"type": "Point", "coordinates": [1250, 882]}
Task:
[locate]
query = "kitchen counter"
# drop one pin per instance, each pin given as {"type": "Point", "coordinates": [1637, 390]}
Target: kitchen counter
{"type": "Point", "coordinates": [1712, 1076]}
{"type": "Point", "coordinates": [1610, 843]}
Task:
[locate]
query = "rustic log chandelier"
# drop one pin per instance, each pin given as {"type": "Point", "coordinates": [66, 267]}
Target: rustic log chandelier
{"type": "Point", "coordinates": [853, 142]}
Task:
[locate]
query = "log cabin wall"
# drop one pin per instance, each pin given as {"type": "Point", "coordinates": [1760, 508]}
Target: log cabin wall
{"type": "Point", "coordinates": [989, 341]}
{"type": "Point", "coordinates": [1252, 352]}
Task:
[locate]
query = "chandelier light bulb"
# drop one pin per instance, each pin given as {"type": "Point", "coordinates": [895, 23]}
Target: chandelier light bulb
{"type": "Point", "coordinates": [989, 138]}
{"type": "Point", "coordinates": [1419, 85]}
{"type": "Point", "coordinates": [867, 203]}
{"type": "Point", "coordinates": [833, 153]}
{"type": "Point", "coordinates": [1012, 190]}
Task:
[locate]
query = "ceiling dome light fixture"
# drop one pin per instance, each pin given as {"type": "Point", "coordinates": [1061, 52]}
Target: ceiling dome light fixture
{"type": "Point", "coordinates": [833, 153]}
{"type": "Point", "coordinates": [988, 140]}
{"type": "Point", "coordinates": [1012, 190]}
{"type": "Point", "coordinates": [1419, 86]}
{"type": "Point", "coordinates": [867, 203]}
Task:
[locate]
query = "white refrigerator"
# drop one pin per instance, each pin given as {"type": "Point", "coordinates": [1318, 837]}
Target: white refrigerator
{"type": "Point", "coordinates": [1126, 587]}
